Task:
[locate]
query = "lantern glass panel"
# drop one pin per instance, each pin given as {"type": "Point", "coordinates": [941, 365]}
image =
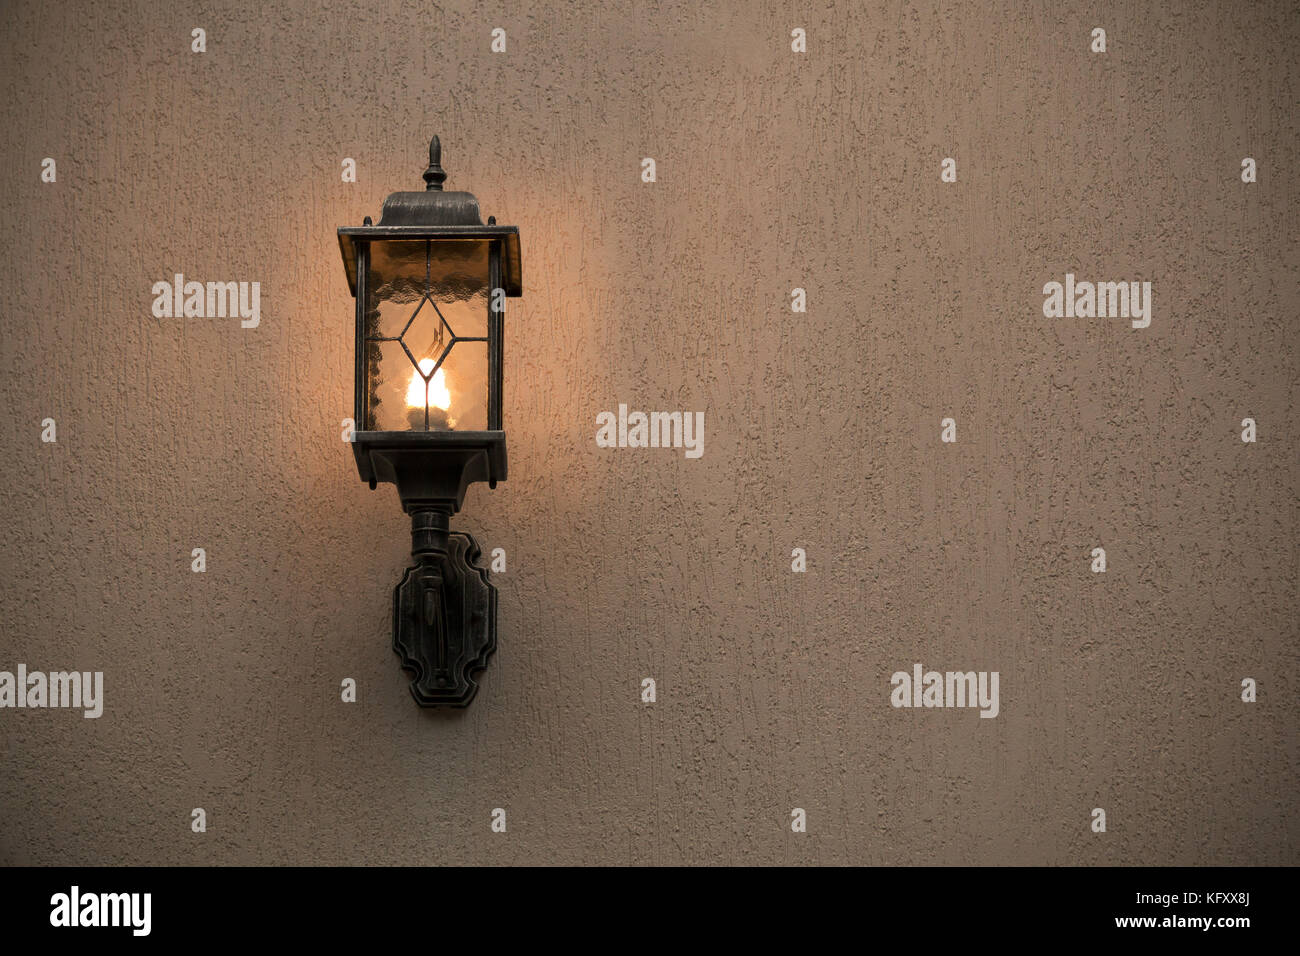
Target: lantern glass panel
{"type": "Point", "coordinates": [467, 385]}
{"type": "Point", "coordinates": [425, 335]}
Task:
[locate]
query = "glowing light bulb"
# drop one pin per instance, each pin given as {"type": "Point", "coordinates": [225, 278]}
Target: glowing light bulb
{"type": "Point", "coordinates": [439, 395]}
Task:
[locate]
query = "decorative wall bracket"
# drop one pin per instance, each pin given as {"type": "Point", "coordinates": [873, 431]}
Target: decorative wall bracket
{"type": "Point", "coordinates": [444, 613]}
{"type": "Point", "coordinates": [430, 281]}
{"type": "Point", "coordinates": [445, 607]}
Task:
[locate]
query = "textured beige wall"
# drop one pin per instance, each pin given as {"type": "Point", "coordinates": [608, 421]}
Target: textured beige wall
{"type": "Point", "coordinates": [822, 431]}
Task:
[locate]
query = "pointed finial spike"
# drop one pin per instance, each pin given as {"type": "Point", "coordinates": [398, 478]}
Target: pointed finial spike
{"type": "Point", "coordinates": [435, 175]}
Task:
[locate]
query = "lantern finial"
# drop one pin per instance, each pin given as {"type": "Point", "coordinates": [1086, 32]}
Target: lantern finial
{"type": "Point", "coordinates": [435, 174]}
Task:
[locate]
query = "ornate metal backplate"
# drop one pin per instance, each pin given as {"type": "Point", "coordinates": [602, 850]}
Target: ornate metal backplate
{"type": "Point", "coordinates": [444, 623]}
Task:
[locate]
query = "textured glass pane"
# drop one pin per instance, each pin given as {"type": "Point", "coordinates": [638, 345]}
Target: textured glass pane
{"type": "Point", "coordinates": [426, 296]}
{"type": "Point", "coordinates": [391, 371]}
{"type": "Point", "coordinates": [460, 282]}
{"type": "Point", "coordinates": [396, 283]}
{"type": "Point", "coordinates": [466, 381]}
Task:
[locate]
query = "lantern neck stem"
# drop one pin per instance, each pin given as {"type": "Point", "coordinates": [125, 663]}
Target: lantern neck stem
{"type": "Point", "coordinates": [429, 531]}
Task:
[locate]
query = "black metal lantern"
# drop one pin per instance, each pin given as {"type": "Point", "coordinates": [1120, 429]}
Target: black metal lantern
{"type": "Point", "coordinates": [430, 282]}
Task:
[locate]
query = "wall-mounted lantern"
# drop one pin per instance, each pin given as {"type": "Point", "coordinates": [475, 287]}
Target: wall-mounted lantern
{"type": "Point", "coordinates": [430, 282]}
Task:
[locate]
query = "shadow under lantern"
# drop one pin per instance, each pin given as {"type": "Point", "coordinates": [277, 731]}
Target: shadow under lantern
{"type": "Point", "coordinates": [430, 282]}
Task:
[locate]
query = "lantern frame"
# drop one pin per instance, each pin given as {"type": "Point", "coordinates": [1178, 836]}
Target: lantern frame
{"type": "Point", "coordinates": [444, 608]}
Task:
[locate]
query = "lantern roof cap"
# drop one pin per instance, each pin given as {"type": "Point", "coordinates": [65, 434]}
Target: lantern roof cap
{"type": "Point", "coordinates": [434, 214]}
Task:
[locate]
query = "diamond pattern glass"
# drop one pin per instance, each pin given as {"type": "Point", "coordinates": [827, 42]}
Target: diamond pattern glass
{"type": "Point", "coordinates": [426, 355]}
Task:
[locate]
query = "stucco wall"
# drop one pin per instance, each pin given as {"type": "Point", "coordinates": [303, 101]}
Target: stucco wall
{"type": "Point", "coordinates": [775, 170]}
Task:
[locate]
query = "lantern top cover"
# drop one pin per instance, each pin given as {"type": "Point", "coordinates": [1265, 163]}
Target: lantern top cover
{"type": "Point", "coordinates": [434, 214]}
